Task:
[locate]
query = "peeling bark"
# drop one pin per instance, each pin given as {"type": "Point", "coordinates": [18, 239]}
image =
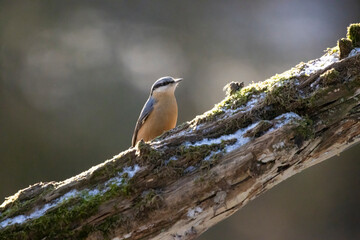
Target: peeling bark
{"type": "Point", "coordinates": [183, 185]}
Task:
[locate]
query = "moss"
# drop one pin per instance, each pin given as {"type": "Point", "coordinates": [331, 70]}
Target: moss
{"type": "Point", "coordinates": [105, 227]}
{"type": "Point", "coordinates": [304, 131]}
{"type": "Point", "coordinates": [239, 96]}
{"type": "Point", "coordinates": [242, 97]}
{"type": "Point", "coordinates": [185, 156]}
{"type": "Point", "coordinates": [345, 46]}
{"type": "Point", "coordinates": [312, 101]}
{"type": "Point", "coordinates": [189, 156]}
{"type": "Point", "coordinates": [119, 190]}
{"type": "Point", "coordinates": [101, 172]}
{"type": "Point", "coordinates": [281, 96]}
{"type": "Point", "coordinates": [73, 210]}
{"type": "Point", "coordinates": [147, 202]}
{"type": "Point", "coordinates": [213, 158]}
{"type": "Point", "coordinates": [17, 208]}
{"type": "Point", "coordinates": [353, 33]}
{"type": "Point", "coordinates": [330, 77]}
{"type": "Point", "coordinates": [195, 154]}
{"type": "Point", "coordinates": [284, 96]}
{"type": "Point", "coordinates": [111, 168]}
{"type": "Point", "coordinates": [22, 205]}
{"type": "Point", "coordinates": [61, 216]}
{"type": "Point", "coordinates": [211, 115]}
{"type": "Point", "coordinates": [207, 165]}
{"type": "Point", "coordinates": [146, 153]}
{"type": "Point", "coordinates": [200, 152]}
{"type": "Point", "coordinates": [332, 50]}
{"type": "Point", "coordinates": [233, 101]}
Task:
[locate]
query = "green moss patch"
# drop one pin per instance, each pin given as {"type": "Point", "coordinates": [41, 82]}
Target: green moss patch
{"type": "Point", "coordinates": [284, 96]}
{"type": "Point", "coordinates": [304, 131]}
{"type": "Point", "coordinates": [22, 202]}
{"type": "Point", "coordinates": [74, 210]}
{"type": "Point", "coordinates": [353, 33]}
{"type": "Point", "coordinates": [330, 77]}
{"type": "Point", "coordinates": [239, 96]}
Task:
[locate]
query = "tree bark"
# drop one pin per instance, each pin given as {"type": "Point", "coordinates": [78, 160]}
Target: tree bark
{"type": "Point", "coordinates": [201, 172]}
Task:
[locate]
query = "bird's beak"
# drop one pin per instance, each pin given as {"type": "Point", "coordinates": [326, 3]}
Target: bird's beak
{"type": "Point", "coordinates": [178, 80]}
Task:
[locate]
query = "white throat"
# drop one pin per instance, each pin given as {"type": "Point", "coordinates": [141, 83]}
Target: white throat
{"type": "Point", "coordinates": [165, 89]}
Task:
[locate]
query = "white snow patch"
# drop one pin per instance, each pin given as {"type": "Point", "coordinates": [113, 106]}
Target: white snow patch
{"type": "Point", "coordinates": [319, 64]}
{"type": "Point", "coordinates": [285, 119]}
{"type": "Point", "coordinates": [10, 221]}
{"type": "Point", "coordinates": [281, 83]}
{"type": "Point", "coordinates": [248, 106]}
{"type": "Point", "coordinates": [189, 169]}
{"type": "Point", "coordinates": [192, 213]}
{"type": "Point", "coordinates": [237, 135]}
{"type": "Point", "coordinates": [197, 127]}
{"type": "Point", "coordinates": [354, 52]}
{"type": "Point", "coordinates": [118, 180]}
{"type": "Point", "coordinates": [131, 171]}
{"type": "Point", "coordinates": [40, 212]}
{"type": "Point", "coordinates": [93, 192]}
{"type": "Point", "coordinates": [173, 158]}
{"type": "Point", "coordinates": [315, 84]}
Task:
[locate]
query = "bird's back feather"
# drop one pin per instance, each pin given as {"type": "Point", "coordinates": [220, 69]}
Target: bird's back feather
{"type": "Point", "coordinates": [145, 112]}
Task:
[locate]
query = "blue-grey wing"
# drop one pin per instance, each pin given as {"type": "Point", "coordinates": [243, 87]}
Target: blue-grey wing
{"type": "Point", "coordinates": [145, 112]}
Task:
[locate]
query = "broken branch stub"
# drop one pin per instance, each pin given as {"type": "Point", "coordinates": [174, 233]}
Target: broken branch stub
{"type": "Point", "coordinates": [201, 172]}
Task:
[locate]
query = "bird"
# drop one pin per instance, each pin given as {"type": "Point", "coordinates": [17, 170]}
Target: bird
{"type": "Point", "coordinates": [160, 111]}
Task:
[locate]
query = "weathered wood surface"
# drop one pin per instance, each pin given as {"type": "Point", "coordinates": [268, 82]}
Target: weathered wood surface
{"type": "Point", "coordinates": [205, 170]}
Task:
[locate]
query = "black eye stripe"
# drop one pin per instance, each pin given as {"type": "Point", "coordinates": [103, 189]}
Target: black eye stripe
{"type": "Point", "coordinates": [161, 84]}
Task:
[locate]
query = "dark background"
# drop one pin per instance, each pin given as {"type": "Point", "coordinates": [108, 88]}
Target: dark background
{"type": "Point", "coordinates": [74, 76]}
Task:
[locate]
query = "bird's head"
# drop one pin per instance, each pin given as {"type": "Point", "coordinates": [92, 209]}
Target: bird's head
{"type": "Point", "coordinates": [165, 85]}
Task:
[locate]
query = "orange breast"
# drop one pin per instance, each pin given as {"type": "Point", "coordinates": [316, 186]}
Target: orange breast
{"type": "Point", "coordinates": [161, 119]}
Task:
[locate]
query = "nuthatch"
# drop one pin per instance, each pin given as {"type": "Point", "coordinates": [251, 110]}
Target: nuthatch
{"type": "Point", "coordinates": [160, 111]}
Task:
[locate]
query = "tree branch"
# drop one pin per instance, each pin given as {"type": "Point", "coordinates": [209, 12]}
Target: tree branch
{"type": "Point", "coordinates": [201, 172]}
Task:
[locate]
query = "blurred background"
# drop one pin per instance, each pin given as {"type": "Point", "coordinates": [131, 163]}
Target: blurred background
{"type": "Point", "coordinates": [74, 76]}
